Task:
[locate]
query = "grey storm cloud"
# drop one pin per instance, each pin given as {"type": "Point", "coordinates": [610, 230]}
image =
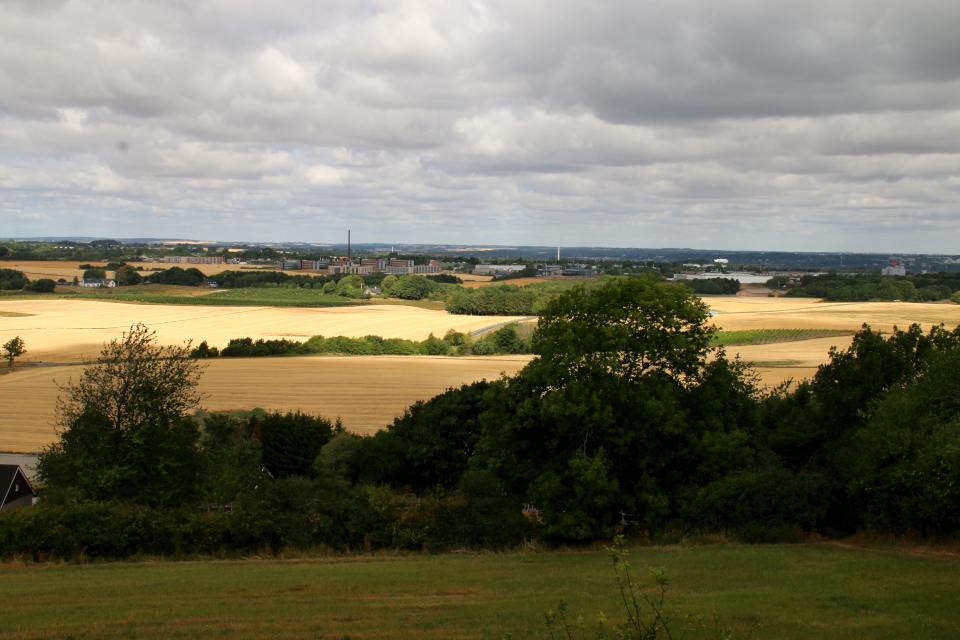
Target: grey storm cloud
{"type": "Point", "coordinates": [817, 125]}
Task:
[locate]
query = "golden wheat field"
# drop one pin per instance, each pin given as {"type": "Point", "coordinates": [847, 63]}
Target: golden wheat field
{"type": "Point", "coordinates": [62, 330]}
{"type": "Point", "coordinates": [782, 361]}
{"type": "Point", "coordinates": [472, 277]}
{"type": "Point", "coordinates": [808, 313]}
{"type": "Point", "coordinates": [367, 392]}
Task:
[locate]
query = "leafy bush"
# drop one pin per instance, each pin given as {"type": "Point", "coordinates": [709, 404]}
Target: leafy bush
{"type": "Point", "coordinates": [248, 348]}
{"type": "Point", "coordinates": [907, 454]}
{"type": "Point", "coordinates": [411, 287]}
{"type": "Point", "coordinates": [203, 350]}
{"type": "Point", "coordinates": [434, 346]}
{"type": "Point", "coordinates": [12, 280]}
{"type": "Point", "coordinates": [290, 442]}
{"type": "Point", "coordinates": [190, 277]}
{"type": "Point", "coordinates": [726, 286]}
{"type": "Point", "coordinates": [44, 285]}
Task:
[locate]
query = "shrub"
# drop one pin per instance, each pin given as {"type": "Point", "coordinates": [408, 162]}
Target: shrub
{"type": "Point", "coordinates": [44, 285]}
{"type": "Point", "coordinates": [12, 280]}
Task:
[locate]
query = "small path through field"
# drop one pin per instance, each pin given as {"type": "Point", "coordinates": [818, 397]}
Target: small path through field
{"type": "Point", "coordinates": [501, 324]}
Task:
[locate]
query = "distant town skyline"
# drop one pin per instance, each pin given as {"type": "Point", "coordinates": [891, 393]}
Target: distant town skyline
{"type": "Point", "coordinates": [789, 126]}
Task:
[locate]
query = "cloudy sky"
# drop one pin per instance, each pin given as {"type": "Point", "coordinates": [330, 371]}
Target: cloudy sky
{"type": "Point", "coordinates": [821, 125]}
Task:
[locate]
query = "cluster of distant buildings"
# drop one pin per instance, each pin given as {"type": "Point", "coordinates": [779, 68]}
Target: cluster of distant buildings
{"type": "Point", "coordinates": [187, 259]}
{"type": "Point", "coordinates": [346, 265]}
{"type": "Point", "coordinates": [363, 266]}
{"type": "Point", "coordinates": [543, 270]}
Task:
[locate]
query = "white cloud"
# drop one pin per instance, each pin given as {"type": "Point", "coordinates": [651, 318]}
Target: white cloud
{"type": "Point", "coordinates": [790, 125]}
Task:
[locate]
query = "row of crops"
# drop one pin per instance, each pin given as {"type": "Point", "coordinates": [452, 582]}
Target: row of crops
{"type": "Point", "coordinates": [765, 336]}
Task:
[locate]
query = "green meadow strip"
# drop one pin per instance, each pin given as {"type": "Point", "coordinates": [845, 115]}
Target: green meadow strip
{"type": "Point", "coordinates": [766, 336]}
{"type": "Point", "coordinates": [794, 592]}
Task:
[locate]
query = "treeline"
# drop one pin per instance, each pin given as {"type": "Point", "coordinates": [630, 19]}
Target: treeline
{"type": "Point", "coordinates": [506, 340]}
{"type": "Point", "coordinates": [510, 299]}
{"type": "Point", "coordinates": [67, 250]}
{"type": "Point", "coordinates": [726, 286]}
{"type": "Point", "coordinates": [13, 280]}
{"type": "Point", "coordinates": [408, 287]}
{"type": "Point", "coordinates": [875, 287]}
{"type": "Point", "coordinates": [495, 300]}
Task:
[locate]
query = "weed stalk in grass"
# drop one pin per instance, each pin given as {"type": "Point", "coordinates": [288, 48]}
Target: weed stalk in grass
{"type": "Point", "coordinates": [645, 616]}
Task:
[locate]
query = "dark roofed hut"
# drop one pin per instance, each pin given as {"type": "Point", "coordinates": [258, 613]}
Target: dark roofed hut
{"type": "Point", "coordinates": [15, 490]}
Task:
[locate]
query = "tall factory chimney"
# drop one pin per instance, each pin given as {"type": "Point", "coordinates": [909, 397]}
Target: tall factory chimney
{"type": "Point", "coordinates": [348, 244]}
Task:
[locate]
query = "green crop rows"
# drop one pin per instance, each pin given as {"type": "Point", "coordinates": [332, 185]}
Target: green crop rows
{"type": "Point", "coordinates": [766, 336]}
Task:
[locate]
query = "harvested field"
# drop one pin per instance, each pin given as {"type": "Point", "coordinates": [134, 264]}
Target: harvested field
{"type": "Point", "coordinates": [808, 313]}
{"type": "Point", "coordinates": [472, 277]}
{"type": "Point", "coordinates": [37, 270]}
{"type": "Point", "coordinates": [798, 360]}
{"type": "Point", "coordinates": [59, 330]}
{"type": "Point", "coordinates": [474, 284]}
{"type": "Point", "coordinates": [365, 391]}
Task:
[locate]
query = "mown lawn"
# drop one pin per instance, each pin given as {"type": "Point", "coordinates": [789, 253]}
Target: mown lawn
{"type": "Point", "coordinates": [796, 591]}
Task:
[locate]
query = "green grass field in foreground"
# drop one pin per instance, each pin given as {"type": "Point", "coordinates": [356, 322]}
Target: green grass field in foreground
{"type": "Point", "coordinates": [795, 591]}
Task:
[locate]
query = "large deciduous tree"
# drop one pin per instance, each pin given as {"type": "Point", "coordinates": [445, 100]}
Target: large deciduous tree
{"type": "Point", "coordinates": [606, 418]}
{"type": "Point", "coordinates": [125, 428]}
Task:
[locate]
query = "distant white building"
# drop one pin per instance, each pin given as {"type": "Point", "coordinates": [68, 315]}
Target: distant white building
{"type": "Point", "coordinates": [493, 269]}
{"type": "Point", "coordinates": [895, 269]}
{"type": "Point", "coordinates": [98, 282]}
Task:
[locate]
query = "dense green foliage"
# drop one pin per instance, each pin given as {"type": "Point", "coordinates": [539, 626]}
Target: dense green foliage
{"type": "Point", "coordinates": [495, 300]}
{"type": "Point", "coordinates": [713, 285]}
{"type": "Point", "coordinates": [94, 273]}
{"type": "Point", "coordinates": [503, 341]}
{"type": "Point", "coordinates": [13, 349]}
{"type": "Point", "coordinates": [509, 299]}
{"type": "Point", "coordinates": [290, 442]}
{"type": "Point", "coordinates": [125, 431]}
{"type": "Point", "coordinates": [445, 278]}
{"type": "Point", "coordinates": [190, 277]}
{"type": "Point", "coordinates": [12, 280]}
{"type": "Point", "coordinates": [127, 276]}
{"type": "Point", "coordinates": [248, 348]}
{"type": "Point", "coordinates": [430, 445]}
{"type": "Point", "coordinates": [43, 285]}
{"type": "Point", "coordinates": [866, 287]}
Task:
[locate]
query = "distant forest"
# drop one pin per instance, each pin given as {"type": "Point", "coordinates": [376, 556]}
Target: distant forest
{"type": "Point", "coordinates": [836, 287]}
